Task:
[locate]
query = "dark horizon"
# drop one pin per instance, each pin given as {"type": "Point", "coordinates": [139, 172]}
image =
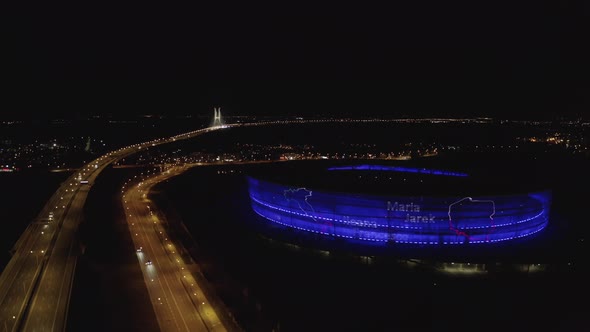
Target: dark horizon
{"type": "Point", "coordinates": [504, 60]}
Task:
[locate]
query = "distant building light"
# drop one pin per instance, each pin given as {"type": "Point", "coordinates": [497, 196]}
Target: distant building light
{"type": "Point", "coordinates": [396, 169]}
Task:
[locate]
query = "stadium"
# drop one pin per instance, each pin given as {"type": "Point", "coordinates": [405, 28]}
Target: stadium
{"type": "Point", "coordinates": [392, 203]}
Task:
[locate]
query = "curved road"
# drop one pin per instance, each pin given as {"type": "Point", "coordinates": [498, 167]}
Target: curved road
{"type": "Point", "coordinates": [177, 298]}
{"type": "Point", "coordinates": [35, 285]}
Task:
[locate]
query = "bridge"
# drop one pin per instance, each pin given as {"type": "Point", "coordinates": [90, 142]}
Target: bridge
{"type": "Point", "coordinates": [36, 284]}
{"type": "Point", "coordinates": [217, 117]}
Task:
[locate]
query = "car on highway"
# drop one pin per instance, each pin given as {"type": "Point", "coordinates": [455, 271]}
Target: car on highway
{"type": "Point", "coordinates": [140, 249]}
{"type": "Point", "coordinates": [148, 263]}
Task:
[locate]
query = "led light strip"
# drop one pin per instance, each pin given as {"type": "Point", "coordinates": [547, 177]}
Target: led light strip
{"type": "Point", "coordinates": [540, 228]}
{"type": "Point", "coordinates": [384, 225]}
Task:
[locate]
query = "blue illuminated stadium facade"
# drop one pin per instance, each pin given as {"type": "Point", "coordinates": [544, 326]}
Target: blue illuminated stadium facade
{"type": "Point", "coordinates": [421, 220]}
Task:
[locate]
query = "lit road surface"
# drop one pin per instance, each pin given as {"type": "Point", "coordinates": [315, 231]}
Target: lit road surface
{"type": "Point", "coordinates": [177, 298]}
{"type": "Point", "coordinates": [53, 290]}
{"type": "Point", "coordinates": [36, 283]}
{"type": "Point", "coordinates": [40, 255]}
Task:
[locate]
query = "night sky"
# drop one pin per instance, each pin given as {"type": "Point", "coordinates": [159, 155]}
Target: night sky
{"type": "Point", "coordinates": [473, 58]}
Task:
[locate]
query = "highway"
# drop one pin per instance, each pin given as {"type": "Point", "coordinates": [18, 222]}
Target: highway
{"type": "Point", "coordinates": [33, 251]}
{"type": "Point", "coordinates": [178, 300]}
{"type": "Point", "coordinates": [35, 285]}
{"type": "Point", "coordinates": [53, 289]}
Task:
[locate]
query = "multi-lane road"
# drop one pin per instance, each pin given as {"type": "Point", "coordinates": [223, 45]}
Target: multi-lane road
{"type": "Point", "coordinates": [35, 285]}
{"type": "Point", "coordinates": [178, 299]}
{"type": "Point", "coordinates": [43, 257]}
{"type": "Point", "coordinates": [48, 308]}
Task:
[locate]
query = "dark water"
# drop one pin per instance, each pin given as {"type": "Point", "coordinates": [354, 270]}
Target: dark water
{"type": "Point", "coordinates": [270, 285]}
{"type": "Point", "coordinates": [24, 194]}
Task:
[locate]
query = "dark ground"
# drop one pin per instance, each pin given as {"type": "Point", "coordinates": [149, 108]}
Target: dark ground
{"type": "Point", "coordinates": [109, 293]}
{"type": "Point", "coordinates": [268, 284]}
